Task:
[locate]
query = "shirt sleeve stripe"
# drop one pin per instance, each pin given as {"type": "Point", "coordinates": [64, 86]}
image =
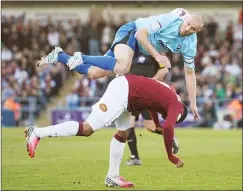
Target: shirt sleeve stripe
{"type": "Point", "coordinates": [189, 60]}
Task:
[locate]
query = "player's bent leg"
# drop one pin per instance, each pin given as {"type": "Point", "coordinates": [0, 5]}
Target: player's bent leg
{"type": "Point", "coordinates": [70, 128]}
{"type": "Point", "coordinates": [124, 55]}
{"type": "Point", "coordinates": [103, 62]}
{"type": "Point", "coordinates": [95, 73]}
{"type": "Point", "coordinates": [85, 129]}
{"type": "Point", "coordinates": [92, 72]}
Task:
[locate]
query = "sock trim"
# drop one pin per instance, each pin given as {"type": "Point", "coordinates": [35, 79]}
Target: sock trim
{"type": "Point", "coordinates": [80, 130]}
{"type": "Point", "coordinates": [119, 138]}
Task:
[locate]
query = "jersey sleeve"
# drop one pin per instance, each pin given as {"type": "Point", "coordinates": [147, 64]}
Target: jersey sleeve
{"type": "Point", "coordinates": [189, 61]}
{"type": "Point", "coordinates": [168, 125]}
{"type": "Point", "coordinates": [190, 51]}
{"type": "Point", "coordinates": [160, 23]}
{"type": "Point", "coordinates": [155, 117]}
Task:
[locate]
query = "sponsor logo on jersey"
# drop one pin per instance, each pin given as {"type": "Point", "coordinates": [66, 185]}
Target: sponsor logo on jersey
{"type": "Point", "coordinates": [164, 46]}
{"type": "Point", "coordinates": [178, 47]}
{"type": "Point", "coordinates": [103, 107]}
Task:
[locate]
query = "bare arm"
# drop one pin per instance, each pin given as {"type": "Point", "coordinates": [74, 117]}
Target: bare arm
{"type": "Point", "coordinates": [191, 85]}
{"type": "Point", "coordinates": [142, 37]}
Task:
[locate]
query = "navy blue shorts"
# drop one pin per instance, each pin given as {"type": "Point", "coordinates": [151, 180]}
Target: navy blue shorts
{"type": "Point", "coordinates": [125, 35]}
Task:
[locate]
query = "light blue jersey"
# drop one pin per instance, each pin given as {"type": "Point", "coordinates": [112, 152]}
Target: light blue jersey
{"type": "Point", "coordinates": [164, 36]}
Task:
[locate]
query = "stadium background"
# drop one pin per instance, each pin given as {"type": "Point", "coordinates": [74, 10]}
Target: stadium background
{"type": "Point", "coordinates": [51, 94]}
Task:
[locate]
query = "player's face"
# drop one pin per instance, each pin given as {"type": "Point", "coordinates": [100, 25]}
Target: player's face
{"type": "Point", "coordinates": [189, 26]}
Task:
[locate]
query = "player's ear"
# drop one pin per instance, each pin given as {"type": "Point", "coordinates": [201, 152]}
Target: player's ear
{"type": "Point", "coordinates": [183, 116]}
{"type": "Point", "coordinates": [164, 116]}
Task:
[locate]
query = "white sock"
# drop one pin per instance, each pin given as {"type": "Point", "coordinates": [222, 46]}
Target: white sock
{"type": "Point", "coordinates": [116, 153]}
{"type": "Point", "coordinates": [69, 128]}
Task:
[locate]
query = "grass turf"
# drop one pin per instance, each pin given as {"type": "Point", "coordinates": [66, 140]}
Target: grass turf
{"type": "Point", "coordinates": [213, 161]}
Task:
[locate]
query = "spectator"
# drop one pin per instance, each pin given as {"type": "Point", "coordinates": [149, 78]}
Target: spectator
{"type": "Point", "coordinates": [220, 91]}
{"type": "Point", "coordinates": [72, 99]}
{"type": "Point", "coordinates": [230, 32]}
{"type": "Point", "coordinates": [7, 54]}
{"type": "Point", "coordinates": [53, 37]}
{"type": "Point", "coordinates": [14, 106]}
{"type": "Point", "coordinates": [212, 28]}
{"type": "Point", "coordinates": [47, 86]}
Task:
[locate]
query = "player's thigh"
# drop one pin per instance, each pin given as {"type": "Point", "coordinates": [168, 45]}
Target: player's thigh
{"type": "Point", "coordinates": [95, 72]}
{"type": "Point", "coordinates": [123, 121]}
{"type": "Point", "coordinates": [111, 105]}
{"type": "Point", "coordinates": [124, 55]}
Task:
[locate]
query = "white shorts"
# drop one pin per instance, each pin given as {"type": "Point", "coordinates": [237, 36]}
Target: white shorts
{"type": "Point", "coordinates": [112, 106]}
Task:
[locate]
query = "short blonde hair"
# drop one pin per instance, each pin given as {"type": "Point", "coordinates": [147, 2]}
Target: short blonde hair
{"type": "Point", "coordinates": [198, 18]}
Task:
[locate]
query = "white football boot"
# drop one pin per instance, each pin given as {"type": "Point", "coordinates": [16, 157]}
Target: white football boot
{"type": "Point", "coordinates": [75, 60]}
{"type": "Point", "coordinates": [51, 58]}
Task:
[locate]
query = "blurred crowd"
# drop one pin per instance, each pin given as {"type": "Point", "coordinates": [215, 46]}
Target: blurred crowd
{"type": "Point", "coordinates": [218, 63]}
{"type": "Point", "coordinates": [25, 86]}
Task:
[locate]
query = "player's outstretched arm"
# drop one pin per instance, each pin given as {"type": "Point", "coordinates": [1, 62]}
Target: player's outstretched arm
{"type": "Point", "coordinates": [142, 37]}
{"type": "Point", "coordinates": [191, 85]}
{"type": "Point", "coordinates": [168, 134]}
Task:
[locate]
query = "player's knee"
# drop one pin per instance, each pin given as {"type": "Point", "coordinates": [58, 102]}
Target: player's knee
{"type": "Point", "coordinates": [122, 67]}
{"type": "Point", "coordinates": [123, 135]}
{"type": "Point", "coordinates": [87, 131]}
{"type": "Point", "coordinates": [95, 73]}
{"type": "Point", "coordinates": [92, 75]}
{"type": "Point", "coordinates": [126, 70]}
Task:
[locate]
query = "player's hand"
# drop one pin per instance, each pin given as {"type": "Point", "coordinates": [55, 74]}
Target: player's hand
{"type": "Point", "coordinates": [195, 112]}
{"type": "Point", "coordinates": [163, 60]}
{"type": "Point", "coordinates": [175, 160]}
{"type": "Point", "coordinates": [179, 164]}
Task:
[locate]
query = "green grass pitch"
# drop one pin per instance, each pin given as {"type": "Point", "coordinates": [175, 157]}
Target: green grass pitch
{"type": "Point", "coordinates": [213, 161]}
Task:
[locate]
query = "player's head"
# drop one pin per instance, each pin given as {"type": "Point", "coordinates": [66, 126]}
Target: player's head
{"type": "Point", "coordinates": [181, 117]}
{"type": "Point", "coordinates": [192, 23]}
{"type": "Point", "coordinates": [180, 12]}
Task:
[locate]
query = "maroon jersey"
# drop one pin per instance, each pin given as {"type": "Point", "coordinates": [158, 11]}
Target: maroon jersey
{"type": "Point", "coordinates": [147, 93]}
